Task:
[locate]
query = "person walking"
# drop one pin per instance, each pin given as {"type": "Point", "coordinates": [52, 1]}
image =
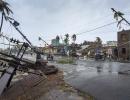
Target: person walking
{"type": "Point", "coordinates": [110, 53]}
{"type": "Point", "coordinates": [105, 55]}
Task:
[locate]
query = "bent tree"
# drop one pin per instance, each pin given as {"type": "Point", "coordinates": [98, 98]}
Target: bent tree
{"type": "Point", "coordinates": [5, 10]}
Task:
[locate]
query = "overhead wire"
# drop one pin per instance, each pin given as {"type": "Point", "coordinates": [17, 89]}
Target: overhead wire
{"type": "Point", "coordinates": [96, 28]}
{"type": "Point", "coordinates": [105, 25]}
{"type": "Point", "coordinates": [94, 20]}
{"type": "Point", "coordinates": [98, 19]}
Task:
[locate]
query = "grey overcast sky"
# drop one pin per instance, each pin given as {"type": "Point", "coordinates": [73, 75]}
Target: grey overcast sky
{"type": "Point", "coordinates": [48, 18]}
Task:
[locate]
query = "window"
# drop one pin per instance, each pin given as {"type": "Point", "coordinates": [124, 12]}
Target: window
{"type": "Point", "coordinates": [123, 37]}
{"type": "Point", "coordinates": [123, 50]}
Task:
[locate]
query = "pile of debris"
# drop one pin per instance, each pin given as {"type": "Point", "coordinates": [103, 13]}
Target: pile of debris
{"type": "Point", "coordinates": [16, 63]}
{"type": "Point", "coordinates": [33, 87]}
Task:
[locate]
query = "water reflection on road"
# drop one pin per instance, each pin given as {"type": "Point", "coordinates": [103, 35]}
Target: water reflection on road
{"type": "Point", "coordinates": [89, 68]}
{"type": "Point", "coordinates": [99, 78]}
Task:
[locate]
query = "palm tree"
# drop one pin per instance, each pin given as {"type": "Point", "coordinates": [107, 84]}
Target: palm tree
{"type": "Point", "coordinates": [57, 40]}
{"type": "Point", "coordinates": [5, 10]}
{"type": "Point", "coordinates": [74, 37]}
{"type": "Point", "coordinates": [67, 35]}
{"type": "Point", "coordinates": [66, 40]}
{"type": "Point", "coordinates": [98, 42]}
{"type": "Point", "coordinates": [85, 43]}
{"type": "Point", "coordinates": [73, 46]}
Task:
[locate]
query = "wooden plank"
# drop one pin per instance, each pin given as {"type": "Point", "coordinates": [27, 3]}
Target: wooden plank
{"type": "Point", "coordinates": [5, 78]}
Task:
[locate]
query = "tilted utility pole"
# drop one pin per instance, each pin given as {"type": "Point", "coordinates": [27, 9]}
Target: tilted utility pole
{"type": "Point", "coordinates": [119, 14]}
{"type": "Point", "coordinates": [43, 40]}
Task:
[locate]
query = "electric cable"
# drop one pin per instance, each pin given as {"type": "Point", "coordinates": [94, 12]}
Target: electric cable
{"type": "Point", "coordinates": [96, 28]}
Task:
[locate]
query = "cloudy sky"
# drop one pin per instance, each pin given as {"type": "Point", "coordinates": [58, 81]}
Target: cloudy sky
{"type": "Point", "coordinates": [48, 18]}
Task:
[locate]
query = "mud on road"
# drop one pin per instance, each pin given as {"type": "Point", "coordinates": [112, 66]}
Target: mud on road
{"type": "Point", "coordinates": [33, 87]}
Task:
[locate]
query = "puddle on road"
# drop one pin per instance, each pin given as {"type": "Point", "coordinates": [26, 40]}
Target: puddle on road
{"type": "Point", "coordinates": [65, 73]}
{"type": "Point", "coordinates": [80, 68]}
{"type": "Point", "coordinates": [92, 70]}
{"type": "Point", "coordinates": [89, 69]}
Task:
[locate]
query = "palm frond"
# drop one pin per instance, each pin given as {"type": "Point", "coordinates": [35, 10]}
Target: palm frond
{"type": "Point", "coordinates": [4, 7]}
{"type": "Point", "coordinates": [116, 16]}
{"type": "Point", "coordinates": [67, 35]}
{"type": "Point", "coordinates": [120, 13]}
{"type": "Point", "coordinates": [74, 37]}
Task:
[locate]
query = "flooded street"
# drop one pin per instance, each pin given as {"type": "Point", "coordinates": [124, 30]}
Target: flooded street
{"type": "Point", "coordinates": [99, 78]}
{"type": "Point", "coordinates": [90, 68]}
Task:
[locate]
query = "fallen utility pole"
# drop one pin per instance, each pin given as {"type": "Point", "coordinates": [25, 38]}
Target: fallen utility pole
{"type": "Point", "coordinates": [15, 24]}
{"type": "Point", "coordinates": [13, 57]}
{"type": "Point", "coordinates": [13, 66]}
{"type": "Point", "coordinates": [7, 74]}
{"type": "Point", "coordinates": [117, 12]}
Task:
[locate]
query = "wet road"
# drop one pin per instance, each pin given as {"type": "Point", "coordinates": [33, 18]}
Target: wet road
{"type": "Point", "coordinates": [98, 78]}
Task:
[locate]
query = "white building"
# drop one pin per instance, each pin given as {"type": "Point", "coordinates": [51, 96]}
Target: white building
{"type": "Point", "coordinates": [111, 43]}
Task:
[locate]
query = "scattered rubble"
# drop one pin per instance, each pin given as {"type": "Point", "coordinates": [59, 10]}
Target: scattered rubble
{"type": "Point", "coordinates": [34, 87]}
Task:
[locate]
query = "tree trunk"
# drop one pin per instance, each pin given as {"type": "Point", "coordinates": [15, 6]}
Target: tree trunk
{"type": "Point", "coordinates": [1, 22]}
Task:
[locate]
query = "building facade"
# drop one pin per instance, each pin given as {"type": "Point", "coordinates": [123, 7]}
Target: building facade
{"type": "Point", "coordinates": [124, 44]}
